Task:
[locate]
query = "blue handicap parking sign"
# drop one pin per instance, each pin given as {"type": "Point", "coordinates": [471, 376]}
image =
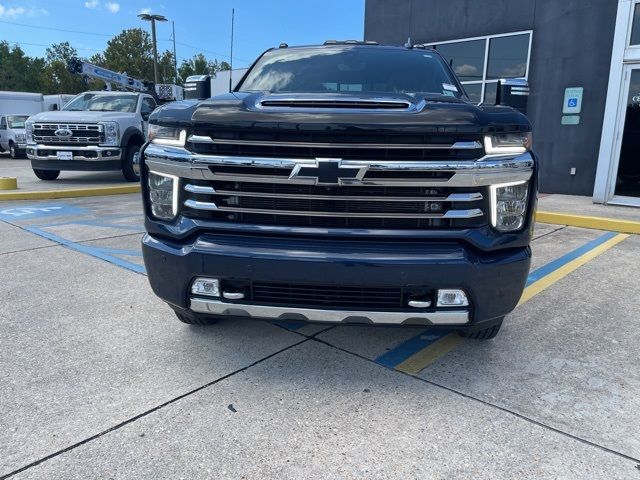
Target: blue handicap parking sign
{"type": "Point", "coordinates": [572, 102]}
{"type": "Point", "coordinates": [25, 212]}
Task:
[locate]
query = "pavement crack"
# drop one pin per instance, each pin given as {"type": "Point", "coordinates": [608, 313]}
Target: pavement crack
{"type": "Point", "coordinates": [149, 411]}
{"type": "Point", "coordinates": [489, 404]}
{"type": "Point", "coordinates": [548, 233]}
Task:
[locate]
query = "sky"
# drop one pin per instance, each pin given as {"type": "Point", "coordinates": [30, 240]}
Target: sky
{"type": "Point", "coordinates": [201, 26]}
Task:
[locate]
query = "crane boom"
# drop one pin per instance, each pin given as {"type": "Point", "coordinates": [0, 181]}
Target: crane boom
{"type": "Point", "coordinates": [109, 77]}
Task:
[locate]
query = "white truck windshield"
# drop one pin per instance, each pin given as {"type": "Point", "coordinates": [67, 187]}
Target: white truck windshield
{"type": "Point", "coordinates": [103, 102]}
{"type": "Point", "coordinates": [16, 121]}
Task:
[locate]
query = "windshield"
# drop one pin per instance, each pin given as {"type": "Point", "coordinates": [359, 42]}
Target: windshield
{"type": "Point", "coordinates": [348, 68]}
{"type": "Point", "coordinates": [16, 121]}
{"type": "Point", "coordinates": [103, 102]}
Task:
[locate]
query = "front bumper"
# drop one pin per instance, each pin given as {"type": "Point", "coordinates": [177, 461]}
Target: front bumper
{"type": "Point", "coordinates": [85, 158]}
{"type": "Point", "coordinates": [494, 281]}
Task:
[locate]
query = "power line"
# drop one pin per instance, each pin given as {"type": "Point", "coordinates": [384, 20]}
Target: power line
{"type": "Point", "coordinates": [43, 45]}
{"type": "Point", "coordinates": [39, 27]}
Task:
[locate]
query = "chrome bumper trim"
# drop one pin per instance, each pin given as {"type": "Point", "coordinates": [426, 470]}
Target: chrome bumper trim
{"type": "Point", "coordinates": [488, 170]}
{"type": "Point", "coordinates": [77, 152]}
{"type": "Point", "coordinates": [217, 307]}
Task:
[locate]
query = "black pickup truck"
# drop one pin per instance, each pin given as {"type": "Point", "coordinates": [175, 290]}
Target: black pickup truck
{"type": "Point", "coordinates": [343, 183]}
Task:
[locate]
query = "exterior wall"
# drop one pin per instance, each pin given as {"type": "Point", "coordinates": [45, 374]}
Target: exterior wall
{"type": "Point", "coordinates": [572, 41]}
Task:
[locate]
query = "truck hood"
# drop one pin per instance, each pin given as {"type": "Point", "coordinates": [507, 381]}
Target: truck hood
{"type": "Point", "coordinates": [337, 111]}
{"type": "Point", "coordinates": [80, 116]}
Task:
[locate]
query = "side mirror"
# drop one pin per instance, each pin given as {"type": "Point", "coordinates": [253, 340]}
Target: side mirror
{"type": "Point", "coordinates": [513, 92]}
{"type": "Point", "coordinates": [145, 116]}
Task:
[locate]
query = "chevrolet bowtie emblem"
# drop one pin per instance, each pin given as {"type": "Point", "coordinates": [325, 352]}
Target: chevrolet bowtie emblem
{"type": "Point", "coordinates": [328, 171]}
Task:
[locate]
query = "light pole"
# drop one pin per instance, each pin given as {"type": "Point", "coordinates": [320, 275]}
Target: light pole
{"type": "Point", "coordinates": [152, 18]}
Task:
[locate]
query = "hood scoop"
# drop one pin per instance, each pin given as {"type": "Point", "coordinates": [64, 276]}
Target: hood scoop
{"type": "Point", "coordinates": [330, 102]}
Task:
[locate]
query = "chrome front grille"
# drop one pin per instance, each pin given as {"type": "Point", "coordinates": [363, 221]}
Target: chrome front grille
{"type": "Point", "coordinates": [362, 206]}
{"type": "Point", "coordinates": [81, 134]}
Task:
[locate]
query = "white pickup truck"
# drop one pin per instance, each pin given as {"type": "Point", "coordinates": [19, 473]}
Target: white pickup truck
{"type": "Point", "coordinates": [100, 130]}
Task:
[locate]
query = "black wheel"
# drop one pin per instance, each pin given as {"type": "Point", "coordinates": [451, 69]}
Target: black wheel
{"type": "Point", "coordinates": [193, 319]}
{"type": "Point", "coordinates": [131, 170]}
{"type": "Point", "coordinates": [46, 174]}
{"type": "Point", "coordinates": [484, 334]}
{"type": "Point", "coordinates": [13, 151]}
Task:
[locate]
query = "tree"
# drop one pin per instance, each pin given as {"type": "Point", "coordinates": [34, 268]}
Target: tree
{"type": "Point", "coordinates": [57, 78]}
{"type": "Point", "coordinates": [19, 72]}
{"type": "Point", "coordinates": [131, 52]}
{"type": "Point", "coordinates": [200, 65]}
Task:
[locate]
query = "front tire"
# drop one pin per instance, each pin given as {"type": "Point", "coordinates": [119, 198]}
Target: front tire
{"type": "Point", "coordinates": [46, 174]}
{"type": "Point", "coordinates": [131, 171]}
{"type": "Point", "coordinates": [193, 319]}
{"type": "Point", "coordinates": [485, 333]}
{"type": "Point", "coordinates": [13, 151]}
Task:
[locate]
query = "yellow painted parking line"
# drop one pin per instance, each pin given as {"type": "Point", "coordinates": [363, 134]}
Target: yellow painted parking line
{"type": "Point", "coordinates": [436, 350]}
{"type": "Point", "coordinates": [596, 223]}
{"type": "Point", "coordinates": [561, 272]}
{"type": "Point", "coordinates": [425, 357]}
{"type": "Point", "coordinates": [70, 192]}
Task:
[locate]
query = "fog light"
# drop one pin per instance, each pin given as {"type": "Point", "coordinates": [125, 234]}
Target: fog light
{"type": "Point", "coordinates": [452, 298]}
{"type": "Point", "coordinates": [206, 286]}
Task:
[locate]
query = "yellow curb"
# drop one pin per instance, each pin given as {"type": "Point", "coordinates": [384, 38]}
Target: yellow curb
{"type": "Point", "coordinates": [70, 193]}
{"type": "Point", "coordinates": [8, 183]}
{"type": "Point", "coordinates": [597, 223]}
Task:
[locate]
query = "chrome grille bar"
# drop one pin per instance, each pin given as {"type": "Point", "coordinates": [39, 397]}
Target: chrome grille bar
{"type": "Point", "coordinates": [210, 206]}
{"type": "Point", "coordinates": [454, 197]}
{"type": "Point", "coordinates": [414, 146]}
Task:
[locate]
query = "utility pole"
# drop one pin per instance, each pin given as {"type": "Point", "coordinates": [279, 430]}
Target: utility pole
{"type": "Point", "coordinates": [175, 58]}
{"type": "Point", "coordinates": [231, 55]}
{"type": "Point", "coordinates": [152, 18]}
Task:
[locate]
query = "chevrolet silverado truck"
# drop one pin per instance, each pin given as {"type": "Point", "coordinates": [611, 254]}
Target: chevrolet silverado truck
{"type": "Point", "coordinates": [95, 131]}
{"type": "Point", "coordinates": [343, 183]}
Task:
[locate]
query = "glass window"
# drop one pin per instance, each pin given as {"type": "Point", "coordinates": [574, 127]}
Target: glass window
{"type": "Point", "coordinates": [348, 68]}
{"type": "Point", "coordinates": [490, 93]}
{"type": "Point", "coordinates": [148, 105]}
{"type": "Point", "coordinates": [466, 58]}
{"type": "Point", "coordinates": [508, 56]}
{"type": "Point", "coordinates": [17, 121]}
{"type": "Point", "coordinates": [635, 29]}
{"type": "Point", "coordinates": [108, 102]}
{"type": "Point", "coordinates": [474, 91]}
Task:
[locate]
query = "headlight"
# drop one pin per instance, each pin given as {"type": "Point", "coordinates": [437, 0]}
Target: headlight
{"type": "Point", "coordinates": [507, 143]}
{"type": "Point", "coordinates": [163, 195]}
{"type": "Point", "coordinates": [28, 127]}
{"type": "Point", "coordinates": [20, 137]}
{"type": "Point", "coordinates": [509, 205]}
{"type": "Point", "coordinates": [162, 135]}
{"type": "Point", "coordinates": [111, 133]}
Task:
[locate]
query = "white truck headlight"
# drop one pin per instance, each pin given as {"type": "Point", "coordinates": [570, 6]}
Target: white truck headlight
{"type": "Point", "coordinates": [28, 127]}
{"type": "Point", "coordinates": [508, 143]}
{"type": "Point", "coordinates": [163, 195]}
{"type": "Point", "coordinates": [172, 136]}
{"type": "Point", "coordinates": [111, 133]}
{"type": "Point", "coordinates": [20, 137]}
{"type": "Point", "coordinates": [509, 205]}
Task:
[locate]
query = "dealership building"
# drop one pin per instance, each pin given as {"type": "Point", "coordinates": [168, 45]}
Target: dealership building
{"type": "Point", "coordinates": [581, 59]}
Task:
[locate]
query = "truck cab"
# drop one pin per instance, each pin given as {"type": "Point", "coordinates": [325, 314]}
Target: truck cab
{"type": "Point", "coordinates": [95, 131]}
{"type": "Point", "coordinates": [13, 135]}
{"type": "Point", "coordinates": [348, 183]}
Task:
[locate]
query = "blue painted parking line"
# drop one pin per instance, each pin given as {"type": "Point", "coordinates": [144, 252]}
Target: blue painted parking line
{"type": "Point", "coordinates": [26, 212]}
{"type": "Point", "coordinates": [559, 262]}
{"type": "Point", "coordinates": [409, 347]}
{"type": "Point", "coordinates": [106, 254]}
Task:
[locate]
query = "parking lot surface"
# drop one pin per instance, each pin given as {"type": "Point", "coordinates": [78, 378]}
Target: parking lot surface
{"type": "Point", "coordinates": [99, 380]}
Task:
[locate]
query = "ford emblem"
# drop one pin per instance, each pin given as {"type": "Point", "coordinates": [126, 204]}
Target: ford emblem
{"type": "Point", "coordinates": [63, 132]}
